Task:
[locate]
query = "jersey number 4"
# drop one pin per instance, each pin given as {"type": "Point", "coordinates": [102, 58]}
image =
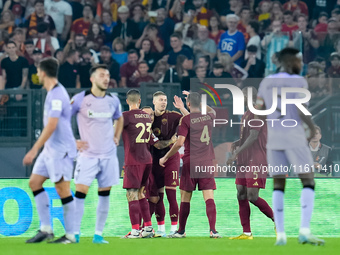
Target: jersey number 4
{"type": "Point", "coordinates": [139, 138]}
{"type": "Point", "coordinates": [205, 138]}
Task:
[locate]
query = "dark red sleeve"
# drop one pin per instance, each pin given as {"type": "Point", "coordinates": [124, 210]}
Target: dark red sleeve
{"type": "Point", "coordinates": [123, 71]}
{"type": "Point", "coordinates": [126, 119]}
{"type": "Point", "coordinates": [184, 126]}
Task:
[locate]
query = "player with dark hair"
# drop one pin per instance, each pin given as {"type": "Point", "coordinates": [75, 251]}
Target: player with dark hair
{"type": "Point", "coordinates": [96, 110]}
{"type": "Point", "coordinates": [194, 132]}
{"type": "Point", "coordinates": [250, 151]}
{"type": "Point", "coordinates": [289, 146]}
{"type": "Point", "coordinates": [164, 127]}
{"type": "Point", "coordinates": [56, 159]}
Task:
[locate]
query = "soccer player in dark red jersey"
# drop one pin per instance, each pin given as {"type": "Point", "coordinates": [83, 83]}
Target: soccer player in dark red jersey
{"type": "Point", "coordinates": [195, 133]}
{"type": "Point", "coordinates": [164, 127]}
{"type": "Point", "coordinates": [137, 138]}
{"type": "Point", "coordinates": [250, 152]}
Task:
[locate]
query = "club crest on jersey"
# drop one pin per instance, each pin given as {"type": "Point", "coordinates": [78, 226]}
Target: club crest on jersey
{"type": "Point", "coordinates": [157, 131]}
{"type": "Point", "coordinates": [164, 121]}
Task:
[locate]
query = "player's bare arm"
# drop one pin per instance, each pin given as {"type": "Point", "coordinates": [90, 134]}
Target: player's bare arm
{"type": "Point", "coordinates": [178, 103]}
{"type": "Point", "coordinates": [82, 145]}
{"type": "Point", "coordinates": [165, 143]}
{"type": "Point", "coordinates": [253, 135]}
{"type": "Point", "coordinates": [174, 149]}
{"type": "Point", "coordinates": [119, 125]}
{"type": "Point", "coordinates": [45, 135]}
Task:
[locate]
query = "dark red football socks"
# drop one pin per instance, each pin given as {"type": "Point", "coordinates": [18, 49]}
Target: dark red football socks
{"type": "Point", "coordinates": [264, 208]}
{"type": "Point", "coordinates": [144, 209]}
{"type": "Point", "coordinates": [173, 206]}
{"type": "Point", "coordinates": [244, 212]}
{"type": "Point", "coordinates": [211, 213]}
{"type": "Point", "coordinates": [134, 210]}
{"type": "Point", "coordinates": [183, 216]}
{"type": "Point", "coordinates": [160, 210]}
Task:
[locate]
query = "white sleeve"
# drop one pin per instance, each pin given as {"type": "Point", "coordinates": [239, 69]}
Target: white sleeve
{"type": "Point", "coordinates": [67, 9]}
{"type": "Point", "coordinates": [55, 43]}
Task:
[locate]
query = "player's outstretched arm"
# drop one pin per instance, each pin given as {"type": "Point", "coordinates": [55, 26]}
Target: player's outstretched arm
{"type": "Point", "coordinates": [211, 110]}
{"type": "Point", "coordinates": [165, 143]}
{"type": "Point", "coordinates": [119, 129]}
{"type": "Point", "coordinates": [45, 135]}
{"type": "Point", "coordinates": [178, 103]}
{"type": "Point", "coordinates": [173, 150]}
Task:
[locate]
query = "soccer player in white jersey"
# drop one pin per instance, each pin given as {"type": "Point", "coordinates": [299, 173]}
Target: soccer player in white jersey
{"type": "Point", "coordinates": [96, 111]}
{"type": "Point", "coordinates": [56, 159]}
{"type": "Point", "coordinates": [288, 146]}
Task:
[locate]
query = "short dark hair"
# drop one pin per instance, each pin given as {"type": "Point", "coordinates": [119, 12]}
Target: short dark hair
{"type": "Point", "coordinates": [252, 48]}
{"type": "Point", "coordinates": [146, 107]}
{"type": "Point", "coordinates": [29, 42]}
{"type": "Point", "coordinates": [39, 1]}
{"type": "Point", "coordinates": [152, 26]}
{"type": "Point", "coordinates": [158, 93]}
{"type": "Point", "coordinates": [132, 51]}
{"type": "Point", "coordinates": [79, 35]}
{"type": "Point", "coordinates": [245, 8]}
{"type": "Point", "coordinates": [194, 99]}
{"type": "Point", "coordinates": [287, 57]}
{"type": "Point", "coordinates": [317, 128]}
{"type": "Point", "coordinates": [133, 95]}
{"type": "Point", "coordinates": [206, 58]}
{"type": "Point", "coordinates": [11, 42]}
{"type": "Point", "coordinates": [105, 48]}
{"type": "Point", "coordinates": [98, 66]}
{"type": "Point", "coordinates": [177, 35]}
{"type": "Point", "coordinates": [254, 25]}
{"type": "Point", "coordinates": [336, 11]}
{"type": "Point", "coordinates": [88, 5]}
{"type": "Point", "coordinates": [319, 59]}
{"type": "Point", "coordinates": [70, 53]}
{"type": "Point", "coordinates": [218, 65]}
{"type": "Point", "coordinates": [288, 13]}
{"type": "Point", "coordinates": [50, 66]}
{"type": "Point", "coordinates": [323, 14]}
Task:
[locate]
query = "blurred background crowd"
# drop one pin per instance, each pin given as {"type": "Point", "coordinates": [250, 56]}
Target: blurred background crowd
{"type": "Point", "coordinates": [168, 41]}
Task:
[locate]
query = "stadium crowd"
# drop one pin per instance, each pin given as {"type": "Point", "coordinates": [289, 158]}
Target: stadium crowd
{"type": "Point", "coordinates": [168, 40]}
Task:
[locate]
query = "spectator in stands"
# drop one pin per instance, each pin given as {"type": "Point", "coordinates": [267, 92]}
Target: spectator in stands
{"type": "Point", "coordinates": [138, 15]}
{"type": "Point", "coordinates": [7, 21]}
{"type": "Point", "coordinates": [200, 73]}
{"type": "Point", "coordinates": [232, 41]}
{"type": "Point", "coordinates": [28, 53]}
{"type": "Point", "coordinates": [142, 74]}
{"type": "Point", "coordinates": [277, 11]}
{"type": "Point", "coordinates": [151, 33]}
{"type": "Point", "coordinates": [203, 45]}
{"type": "Point", "coordinates": [243, 23]}
{"type": "Point", "coordinates": [95, 38]}
{"type": "Point", "coordinates": [234, 7]}
{"type": "Point", "coordinates": [218, 71]}
{"type": "Point", "coordinates": [159, 71]}
{"type": "Point", "coordinates": [45, 42]}
{"type": "Point", "coordinates": [18, 37]}
{"type": "Point", "coordinates": [61, 13]}
{"type": "Point", "coordinates": [296, 7]}
{"type": "Point", "coordinates": [118, 51]}
{"type": "Point", "coordinates": [33, 79]}
{"type": "Point", "coordinates": [205, 61]}
{"type": "Point", "coordinates": [176, 11]}
{"type": "Point", "coordinates": [265, 15]}
{"type": "Point", "coordinates": [155, 5]}
{"type": "Point", "coordinates": [128, 70]}
{"type": "Point", "coordinates": [236, 72]}
{"type": "Point", "coordinates": [334, 70]}
{"type": "Point", "coordinates": [113, 66]}
{"type": "Point", "coordinates": [272, 43]}
{"type": "Point", "coordinates": [203, 15]}
{"type": "Point", "coordinates": [79, 42]}
{"type": "Point", "coordinates": [322, 6]}
{"type": "Point", "coordinates": [327, 46]}
{"type": "Point", "coordinates": [253, 65]}
{"type": "Point", "coordinates": [59, 54]}
{"type": "Point", "coordinates": [126, 28]}
{"type": "Point", "coordinates": [37, 17]}
{"type": "Point", "coordinates": [17, 8]}
{"type": "Point", "coordinates": [322, 154]}
{"type": "Point", "coordinates": [108, 24]}
{"type": "Point", "coordinates": [215, 29]}
{"type": "Point", "coordinates": [14, 68]}
{"type": "Point", "coordinates": [305, 40]}
{"type": "Point", "coordinates": [84, 67]}
{"type": "Point", "coordinates": [3, 38]}
{"type": "Point", "coordinates": [336, 15]}
{"type": "Point", "coordinates": [77, 9]}
{"type": "Point", "coordinates": [186, 27]}
{"type": "Point", "coordinates": [289, 26]}
{"type": "Point", "coordinates": [182, 69]}
{"type": "Point", "coordinates": [82, 25]}
{"type": "Point", "coordinates": [253, 30]}
{"type": "Point", "coordinates": [322, 63]}
{"type": "Point", "coordinates": [145, 54]}
{"type": "Point", "coordinates": [321, 28]}
{"type": "Point", "coordinates": [178, 49]}
{"type": "Point", "coordinates": [165, 27]}
{"type": "Point", "coordinates": [68, 72]}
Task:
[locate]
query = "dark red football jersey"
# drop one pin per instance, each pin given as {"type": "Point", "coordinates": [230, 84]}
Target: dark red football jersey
{"type": "Point", "coordinates": [256, 153]}
{"type": "Point", "coordinates": [164, 127]}
{"type": "Point", "coordinates": [137, 137]}
{"type": "Point", "coordinates": [197, 130]}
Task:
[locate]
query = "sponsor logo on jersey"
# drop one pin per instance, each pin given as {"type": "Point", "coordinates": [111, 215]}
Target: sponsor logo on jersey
{"type": "Point", "coordinates": [164, 121]}
{"type": "Point", "coordinates": [93, 114]}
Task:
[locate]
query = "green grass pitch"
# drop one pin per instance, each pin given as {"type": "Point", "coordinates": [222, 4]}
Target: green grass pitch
{"type": "Point", "coordinates": [189, 245]}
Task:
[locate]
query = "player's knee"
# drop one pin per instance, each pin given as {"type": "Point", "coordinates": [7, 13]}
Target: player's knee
{"type": "Point", "coordinates": [241, 196]}
{"type": "Point", "coordinates": [34, 185]}
{"type": "Point", "coordinates": [132, 194]}
{"type": "Point", "coordinates": [252, 197]}
{"type": "Point", "coordinates": [80, 195]}
{"type": "Point", "coordinates": [308, 182]}
{"type": "Point", "coordinates": [154, 199]}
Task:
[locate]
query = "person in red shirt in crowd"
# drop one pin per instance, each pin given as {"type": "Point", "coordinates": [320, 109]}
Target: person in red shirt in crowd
{"type": "Point", "coordinates": [38, 16]}
{"type": "Point", "coordinates": [297, 7]}
{"type": "Point", "coordinates": [243, 23]}
{"type": "Point", "coordinates": [289, 25]}
{"type": "Point", "coordinates": [203, 15]}
{"type": "Point", "coordinates": [142, 73]}
{"type": "Point", "coordinates": [82, 25]}
{"type": "Point", "coordinates": [128, 70]}
{"type": "Point", "coordinates": [215, 28]}
{"type": "Point", "coordinates": [321, 28]}
{"type": "Point", "coordinates": [334, 70]}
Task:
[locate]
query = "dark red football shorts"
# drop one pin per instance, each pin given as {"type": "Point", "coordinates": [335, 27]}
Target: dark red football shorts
{"type": "Point", "coordinates": [136, 176]}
